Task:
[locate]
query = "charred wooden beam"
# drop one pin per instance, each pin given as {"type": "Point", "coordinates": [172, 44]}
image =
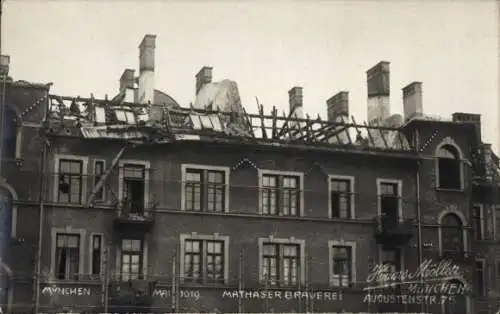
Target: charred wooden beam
{"type": "Point", "coordinates": [372, 141]}
{"type": "Point", "coordinates": [261, 116]}
{"type": "Point", "coordinates": [285, 128]}
{"type": "Point", "coordinates": [249, 124]}
{"type": "Point", "coordinates": [105, 176]}
{"type": "Point", "coordinates": [274, 115]}
{"type": "Point", "coordinates": [382, 135]}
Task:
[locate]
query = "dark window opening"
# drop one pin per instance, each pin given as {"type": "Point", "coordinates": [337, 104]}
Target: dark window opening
{"type": "Point", "coordinates": [497, 222]}
{"type": "Point", "coordinates": [449, 168]}
{"type": "Point", "coordinates": [98, 172]}
{"type": "Point", "coordinates": [342, 266]}
{"type": "Point", "coordinates": [70, 181]}
{"type": "Point", "coordinates": [457, 305]}
{"type": "Point", "coordinates": [452, 235]}
{"type": "Point", "coordinates": [9, 133]}
{"type": "Point", "coordinates": [480, 279]}
{"type": "Point", "coordinates": [280, 195]}
{"type": "Point", "coordinates": [96, 254]}
{"type": "Point", "coordinates": [392, 258]}
{"type": "Point", "coordinates": [281, 264]}
{"type": "Point", "coordinates": [389, 204]}
{"type": "Point", "coordinates": [341, 198]}
{"type": "Point", "coordinates": [134, 188]}
{"type": "Point", "coordinates": [205, 190]}
{"type": "Point", "coordinates": [478, 222]}
{"type": "Point", "coordinates": [67, 256]}
{"type": "Point", "coordinates": [204, 261]}
{"type": "Point", "coordinates": [132, 253]}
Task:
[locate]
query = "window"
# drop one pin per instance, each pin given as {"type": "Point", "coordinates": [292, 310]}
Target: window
{"type": "Point", "coordinates": [498, 275]}
{"type": "Point", "coordinates": [67, 256]}
{"type": "Point", "coordinates": [452, 236]}
{"type": "Point", "coordinates": [459, 304]}
{"type": "Point", "coordinates": [132, 253]}
{"type": "Point", "coordinates": [280, 263]}
{"type": "Point", "coordinates": [392, 258]}
{"type": "Point", "coordinates": [497, 222]}
{"type": "Point", "coordinates": [341, 198]}
{"type": "Point", "coordinates": [204, 261]}
{"type": "Point", "coordinates": [134, 188]}
{"type": "Point", "coordinates": [280, 194]}
{"type": "Point", "coordinates": [70, 181]}
{"type": "Point", "coordinates": [389, 202]}
{"type": "Point", "coordinates": [477, 218]}
{"type": "Point", "coordinates": [449, 172]}
{"type": "Point", "coordinates": [98, 173]}
{"type": "Point", "coordinates": [480, 278]}
{"type": "Point", "coordinates": [96, 252]}
{"type": "Point", "coordinates": [342, 266]}
{"type": "Point", "coordinates": [205, 190]}
{"type": "Point", "coordinates": [9, 133]}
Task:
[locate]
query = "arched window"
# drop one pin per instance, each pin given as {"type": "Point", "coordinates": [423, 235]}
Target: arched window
{"type": "Point", "coordinates": [452, 236]}
{"type": "Point", "coordinates": [458, 303]}
{"type": "Point", "coordinates": [9, 138]}
{"type": "Point", "coordinates": [449, 172]}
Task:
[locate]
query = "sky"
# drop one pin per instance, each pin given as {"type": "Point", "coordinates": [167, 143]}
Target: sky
{"type": "Point", "coordinates": [452, 47]}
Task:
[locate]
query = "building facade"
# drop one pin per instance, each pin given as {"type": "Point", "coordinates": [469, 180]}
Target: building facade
{"type": "Point", "coordinates": [138, 204]}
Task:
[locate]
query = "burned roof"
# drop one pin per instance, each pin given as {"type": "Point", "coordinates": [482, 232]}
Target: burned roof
{"type": "Point", "coordinates": [91, 118]}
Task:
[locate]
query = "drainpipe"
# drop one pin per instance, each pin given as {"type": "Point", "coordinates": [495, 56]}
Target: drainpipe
{"type": "Point", "coordinates": [419, 211]}
{"type": "Point", "coordinates": [41, 223]}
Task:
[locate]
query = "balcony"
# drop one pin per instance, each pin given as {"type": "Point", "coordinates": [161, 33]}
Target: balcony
{"type": "Point", "coordinates": [391, 231]}
{"type": "Point", "coordinates": [132, 217]}
{"type": "Point", "coordinates": [133, 296]}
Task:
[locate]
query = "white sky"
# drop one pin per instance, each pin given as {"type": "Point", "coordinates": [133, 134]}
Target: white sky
{"type": "Point", "coordinates": [267, 48]}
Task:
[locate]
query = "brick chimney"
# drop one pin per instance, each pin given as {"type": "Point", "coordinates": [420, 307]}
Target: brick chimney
{"type": "Point", "coordinates": [127, 85]}
{"type": "Point", "coordinates": [338, 106]}
{"type": "Point", "coordinates": [412, 100]}
{"type": "Point", "coordinates": [378, 86]}
{"type": "Point", "coordinates": [203, 77]}
{"type": "Point", "coordinates": [295, 98]}
{"type": "Point", "coordinates": [147, 69]}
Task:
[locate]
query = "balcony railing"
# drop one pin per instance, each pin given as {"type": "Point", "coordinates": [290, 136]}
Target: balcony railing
{"type": "Point", "coordinates": [392, 230]}
{"type": "Point", "coordinates": [131, 215]}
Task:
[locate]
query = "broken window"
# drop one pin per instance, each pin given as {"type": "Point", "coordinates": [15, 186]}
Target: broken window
{"type": "Point", "coordinates": [98, 172]}
{"type": "Point", "coordinates": [9, 134]}
{"type": "Point", "coordinates": [341, 198]}
{"type": "Point", "coordinates": [280, 195]}
{"type": "Point", "coordinates": [125, 116]}
{"type": "Point", "coordinates": [132, 255]}
{"type": "Point", "coordinates": [100, 115]}
{"type": "Point", "coordinates": [67, 256]}
{"type": "Point", "coordinates": [452, 235]}
{"type": "Point", "coordinates": [205, 190]}
{"type": "Point", "coordinates": [96, 254]}
{"type": "Point", "coordinates": [134, 188]}
{"type": "Point", "coordinates": [280, 263]}
{"type": "Point", "coordinates": [204, 261]}
{"type": "Point", "coordinates": [389, 204]}
{"type": "Point", "coordinates": [70, 178]}
{"type": "Point", "coordinates": [449, 165]}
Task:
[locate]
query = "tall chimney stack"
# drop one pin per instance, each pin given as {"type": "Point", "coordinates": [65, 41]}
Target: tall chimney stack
{"type": "Point", "coordinates": [127, 85]}
{"type": "Point", "coordinates": [412, 100]}
{"type": "Point", "coordinates": [378, 85]}
{"type": "Point", "coordinates": [295, 98]}
{"type": "Point", "coordinates": [147, 69]}
{"type": "Point", "coordinates": [203, 77]}
{"type": "Point", "coordinates": [338, 106]}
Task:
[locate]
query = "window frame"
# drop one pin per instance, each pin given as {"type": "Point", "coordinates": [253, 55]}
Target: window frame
{"type": "Point", "coordinates": [95, 181]}
{"type": "Point", "coordinates": [448, 141]}
{"type": "Point", "coordinates": [481, 220]}
{"type": "Point", "coordinates": [484, 275]}
{"type": "Point", "coordinates": [18, 130]}
{"type": "Point", "coordinates": [84, 161]}
{"type": "Point", "coordinates": [199, 167]}
{"type": "Point", "coordinates": [141, 274]}
{"type": "Point", "coordinates": [81, 249]}
{"type": "Point", "coordinates": [293, 241]}
{"type": "Point", "coordinates": [91, 254]}
{"type": "Point", "coordinates": [399, 184]}
{"type": "Point", "coordinates": [352, 194]}
{"type": "Point", "coordinates": [331, 275]}
{"type": "Point", "coordinates": [461, 216]}
{"type": "Point", "coordinates": [147, 168]}
{"type": "Point", "coordinates": [300, 175]}
{"type": "Point", "coordinates": [118, 260]}
{"type": "Point", "coordinates": [496, 227]}
{"type": "Point", "coordinates": [204, 237]}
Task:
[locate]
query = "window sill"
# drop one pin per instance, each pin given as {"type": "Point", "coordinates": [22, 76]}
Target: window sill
{"type": "Point", "coordinates": [447, 190]}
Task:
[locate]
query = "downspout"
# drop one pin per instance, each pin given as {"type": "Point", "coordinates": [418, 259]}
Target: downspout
{"type": "Point", "coordinates": [419, 212]}
{"type": "Point", "coordinates": [41, 223]}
